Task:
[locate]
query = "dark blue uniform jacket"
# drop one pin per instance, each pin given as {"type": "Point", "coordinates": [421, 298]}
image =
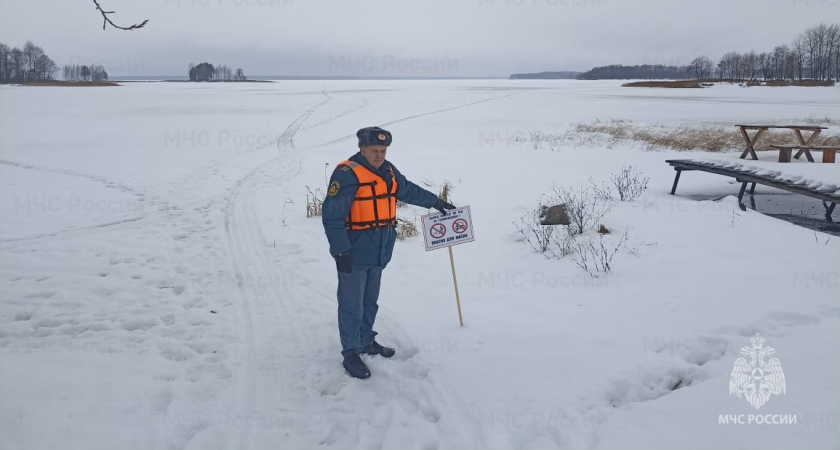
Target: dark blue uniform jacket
{"type": "Point", "coordinates": [373, 246]}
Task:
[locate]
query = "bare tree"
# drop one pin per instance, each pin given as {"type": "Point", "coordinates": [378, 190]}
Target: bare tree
{"type": "Point", "coordinates": [836, 56]}
{"type": "Point", "coordinates": [222, 73]}
{"type": "Point", "coordinates": [69, 73]}
{"type": "Point", "coordinates": [107, 21]}
{"type": "Point", "coordinates": [98, 73]}
{"type": "Point", "coordinates": [811, 39]}
{"type": "Point", "coordinates": [45, 68]}
{"type": "Point", "coordinates": [31, 53]}
{"type": "Point", "coordinates": [750, 62]}
{"type": "Point", "coordinates": [765, 64]}
{"type": "Point", "coordinates": [780, 60]}
{"type": "Point", "coordinates": [817, 47]}
{"type": "Point", "coordinates": [4, 62]}
{"type": "Point", "coordinates": [728, 66]}
{"type": "Point", "coordinates": [830, 41]}
{"type": "Point", "coordinates": [17, 67]}
{"type": "Point", "coordinates": [738, 67]}
{"type": "Point", "coordinates": [74, 72]}
{"type": "Point", "coordinates": [701, 67]}
{"type": "Point", "coordinates": [799, 57]}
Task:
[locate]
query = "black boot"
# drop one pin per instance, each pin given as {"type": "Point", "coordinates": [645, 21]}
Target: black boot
{"type": "Point", "coordinates": [375, 349]}
{"type": "Point", "coordinates": [355, 367]}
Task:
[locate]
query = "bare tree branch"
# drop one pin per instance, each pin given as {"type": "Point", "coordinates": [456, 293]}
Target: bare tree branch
{"type": "Point", "coordinates": [107, 20]}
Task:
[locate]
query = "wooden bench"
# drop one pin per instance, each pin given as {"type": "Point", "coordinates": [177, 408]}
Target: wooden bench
{"type": "Point", "coordinates": [828, 153]}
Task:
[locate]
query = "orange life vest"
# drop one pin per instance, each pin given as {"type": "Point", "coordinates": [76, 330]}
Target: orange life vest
{"type": "Point", "coordinates": [374, 205]}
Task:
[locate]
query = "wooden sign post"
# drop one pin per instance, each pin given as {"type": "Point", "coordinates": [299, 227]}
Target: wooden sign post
{"type": "Point", "coordinates": [446, 230]}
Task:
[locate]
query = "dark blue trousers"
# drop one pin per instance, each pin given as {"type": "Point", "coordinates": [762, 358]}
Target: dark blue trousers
{"type": "Point", "coordinates": [358, 292]}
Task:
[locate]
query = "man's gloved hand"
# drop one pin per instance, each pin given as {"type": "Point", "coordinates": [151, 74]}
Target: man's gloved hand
{"type": "Point", "coordinates": [344, 262]}
{"type": "Point", "coordinates": [442, 206]}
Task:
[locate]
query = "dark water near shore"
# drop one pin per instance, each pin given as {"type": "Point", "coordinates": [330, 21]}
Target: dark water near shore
{"type": "Point", "coordinates": [794, 208]}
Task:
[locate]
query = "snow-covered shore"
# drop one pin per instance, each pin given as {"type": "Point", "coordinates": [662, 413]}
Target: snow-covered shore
{"type": "Point", "coordinates": [162, 287]}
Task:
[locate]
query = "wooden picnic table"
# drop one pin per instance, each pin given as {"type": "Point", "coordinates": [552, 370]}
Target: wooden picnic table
{"type": "Point", "coordinates": [804, 144]}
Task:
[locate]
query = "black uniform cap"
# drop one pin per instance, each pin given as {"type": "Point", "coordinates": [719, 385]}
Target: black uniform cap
{"type": "Point", "coordinates": [373, 136]}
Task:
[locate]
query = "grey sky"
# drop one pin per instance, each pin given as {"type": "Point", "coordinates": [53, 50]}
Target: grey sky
{"type": "Point", "coordinates": [401, 38]}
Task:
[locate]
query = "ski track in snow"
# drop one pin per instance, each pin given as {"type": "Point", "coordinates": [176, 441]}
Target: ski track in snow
{"type": "Point", "coordinates": [289, 388]}
{"type": "Point", "coordinates": [137, 307]}
{"type": "Point", "coordinates": [415, 116]}
{"type": "Point", "coordinates": [363, 104]}
{"type": "Point", "coordinates": [163, 210]}
{"type": "Point", "coordinates": [97, 179]}
{"type": "Point", "coordinates": [80, 231]}
{"type": "Point", "coordinates": [249, 265]}
{"type": "Point", "coordinates": [290, 371]}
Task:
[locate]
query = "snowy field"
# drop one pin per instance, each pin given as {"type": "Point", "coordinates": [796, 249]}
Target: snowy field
{"type": "Point", "coordinates": [161, 287]}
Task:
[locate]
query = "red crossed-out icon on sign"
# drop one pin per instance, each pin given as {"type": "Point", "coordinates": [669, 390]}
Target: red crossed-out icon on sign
{"type": "Point", "coordinates": [459, 226]}
{"type": "Point", "coordinates": [437, 230]}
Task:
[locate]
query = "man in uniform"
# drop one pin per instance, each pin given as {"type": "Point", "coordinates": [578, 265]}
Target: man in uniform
{"type": "Point", "coordinates": [359, 216]}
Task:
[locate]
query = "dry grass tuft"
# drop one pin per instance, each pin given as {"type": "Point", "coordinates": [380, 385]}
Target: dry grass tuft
{"type": "Point", "coordinates": [314, 202]}
{"type": "Point", "coordinates": [71, 83]}
{"type": "Point", "coordinates": [406, 229]}
{"type": "Point", "coordinates": [695, 84]}
{"type": "Point", "coordinates": [822, 120]}
{"type": "Point", "coordinates": [666, 84]}
{"type": "Point", "coordinates": [445, 193]}
{"type": "Point", "coordinates": [707, 138]}
{"type": "Point", "coordinates": [802, 83]}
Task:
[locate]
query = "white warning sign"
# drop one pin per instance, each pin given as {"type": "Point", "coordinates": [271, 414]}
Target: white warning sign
{"type": "Point", "coordinates": [452, 228]}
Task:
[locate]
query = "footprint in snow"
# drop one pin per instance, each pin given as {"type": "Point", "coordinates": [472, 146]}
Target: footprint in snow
{"type": "Point", "coordinates": [175, 353]}
{"type": "Point", "coordinates": [698, 351]}
{"type": "Point", "coordinates": [141, 324]}
{"type": "Point", "coordinates": [335, 433]}
{"type": "Point", "coordinates": [652, 384]}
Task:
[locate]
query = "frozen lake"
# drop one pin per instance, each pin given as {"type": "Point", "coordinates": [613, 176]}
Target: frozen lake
{"type": "Point", "coordinates": [162, 287]}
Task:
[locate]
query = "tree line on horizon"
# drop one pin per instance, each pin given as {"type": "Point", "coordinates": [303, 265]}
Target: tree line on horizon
{"type": "Point", "coordinates": [813, 55]}
{"type": "Point", "coordinates": [207, 72]}
{"type": "Point", "coordinates": [84, 73]}
{"type": "Point", "coordinates": [32, 65]}
{"type": "Point", "coordinates": [29, 64]}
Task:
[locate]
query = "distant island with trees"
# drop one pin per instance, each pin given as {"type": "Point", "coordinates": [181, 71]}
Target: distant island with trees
{"type": "Point", "coordinates": [31, 65]}
{"type": "Point", "coordinates": [207, 72]}
{"type": "Point", "coordinates": [813, 55]}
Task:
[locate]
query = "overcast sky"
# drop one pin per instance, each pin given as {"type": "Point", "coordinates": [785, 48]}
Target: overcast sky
{"type": "Point", "coordinates": [402, 38]}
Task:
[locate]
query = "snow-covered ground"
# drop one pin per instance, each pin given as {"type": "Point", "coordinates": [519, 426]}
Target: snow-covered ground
{"type": "Point", "coordinates": [161, 287]}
